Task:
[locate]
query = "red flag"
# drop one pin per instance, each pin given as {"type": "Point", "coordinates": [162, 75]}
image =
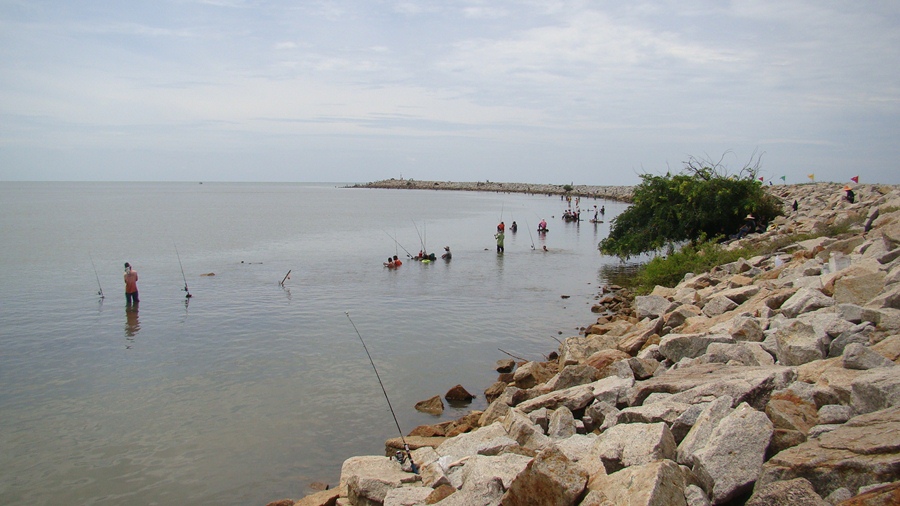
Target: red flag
{"type": "Point", "coordinates": [855, 179]}
{"type": "Point", "coordinates": [761, 179]}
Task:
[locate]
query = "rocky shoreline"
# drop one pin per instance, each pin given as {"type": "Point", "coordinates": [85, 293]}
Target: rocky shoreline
{"type": "Point", "coordinates": [619, 193]}
{"type": "Point", "coordinates": [770, 380]}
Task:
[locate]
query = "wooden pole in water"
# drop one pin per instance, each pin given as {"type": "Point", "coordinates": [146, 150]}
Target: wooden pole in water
{"type": "Point", "coordinates": [285, 277]}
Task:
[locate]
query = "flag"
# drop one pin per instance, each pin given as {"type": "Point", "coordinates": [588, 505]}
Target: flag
{"type": "Point", "coordinates": [812, 177]}
{"type": "Point", "coordinates": [784, 178]}
{"type": "Point", "coordinates": [760, 179]}
{"type": "Point", "coordinates": [855, 179]}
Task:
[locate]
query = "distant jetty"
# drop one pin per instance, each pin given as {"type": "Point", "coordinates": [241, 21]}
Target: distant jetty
{"type": "Point", "coordinates": [618, 193]}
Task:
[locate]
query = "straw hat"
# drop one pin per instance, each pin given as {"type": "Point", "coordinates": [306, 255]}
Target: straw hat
{"type": "Point", "coordinates": [847, 187]}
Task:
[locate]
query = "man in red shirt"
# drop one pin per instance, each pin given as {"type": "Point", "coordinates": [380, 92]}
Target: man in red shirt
{"type": "Point", "coordinates": [131, 289]}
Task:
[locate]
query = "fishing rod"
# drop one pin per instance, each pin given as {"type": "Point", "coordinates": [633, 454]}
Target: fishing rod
{"type": "Point", "coordinates": [188, 296]}
{"type": "Point", "coordinates": [413, 466]}
{"type": "Point", "coordinates": [100, 293]}
{"type": "Point", "coordinates": [408, 254]}
{"type": "Point", "coordinates": [421, 241]}
{"type": "Point", "coordinates": [529, 232]}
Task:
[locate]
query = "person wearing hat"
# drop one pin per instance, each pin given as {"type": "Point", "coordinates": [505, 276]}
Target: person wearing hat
{"type": "Point", "coordinates": [446, 255]}
{"type": "Point", "coordinates": [131, 290]}
{"type": "Point", "coordinates": [849, 196]}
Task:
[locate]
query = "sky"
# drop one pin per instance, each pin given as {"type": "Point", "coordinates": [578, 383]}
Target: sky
{"type": "Point", "coordinates": [549, 91]}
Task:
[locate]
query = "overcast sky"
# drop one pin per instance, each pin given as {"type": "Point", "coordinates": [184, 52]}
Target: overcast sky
{"type": "Point", "coordinates": [584, 92]}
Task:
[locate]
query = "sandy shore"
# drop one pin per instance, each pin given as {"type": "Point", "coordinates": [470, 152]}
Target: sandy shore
{"type": "Point", "coordinates": [619, 193]}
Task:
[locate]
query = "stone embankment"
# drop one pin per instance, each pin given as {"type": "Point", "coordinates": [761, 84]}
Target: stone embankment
{"type": "Point", "coordinates": [619, 193]}
{"type": "Point", "coordinates": [770, 380]}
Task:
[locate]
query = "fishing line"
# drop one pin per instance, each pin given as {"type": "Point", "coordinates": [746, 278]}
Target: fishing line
{"type": "Point", "coordinates": [100, 293]}
{"type": "Point", "coordinates": [415, 468]}
{"type": "Point", "coordinates": [408, 254]}
{"type": "Point", "coordinates": [188, 296]}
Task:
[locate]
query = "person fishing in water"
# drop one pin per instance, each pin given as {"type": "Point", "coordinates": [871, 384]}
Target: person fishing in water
{"type": "Point", "coordinates": [131, 289]}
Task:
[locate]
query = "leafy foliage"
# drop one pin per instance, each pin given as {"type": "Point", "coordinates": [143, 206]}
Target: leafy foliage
{"type": "Point", "coordinates": [702, 202]}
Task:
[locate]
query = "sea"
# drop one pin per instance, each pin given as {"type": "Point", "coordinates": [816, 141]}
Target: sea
{"type": "Point", "coordinates": [259, 384]}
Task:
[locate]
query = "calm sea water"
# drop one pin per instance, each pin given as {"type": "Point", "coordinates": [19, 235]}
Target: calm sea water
{"type": "Point", "coordinates": [250, 391]}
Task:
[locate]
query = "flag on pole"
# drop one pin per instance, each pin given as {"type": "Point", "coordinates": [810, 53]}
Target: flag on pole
{"type": "Point", "coordinates": [760, 179]}
{"type": "Point", "coordinates": [855, 179]}
{"type": "Point", "coordinates": [784, 178]}
{"type": "Point", "coordinates": [812, 177]}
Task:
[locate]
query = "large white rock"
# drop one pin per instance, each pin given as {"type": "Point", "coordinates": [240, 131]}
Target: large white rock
{"type": "Point", "coordinates": [706, 423]}
{"type": "Point", "coordinates": [490, 440]}
{"type": "Point", "coordinates": [732, 460]}
{"type": "Point", "coordinates": [659, 483]}
{"type": "Point", "coordinates": [634, 444]}
{"type": "Point", "coordinates": [804, 301]}
{"type": "Point", "coordinates": [678, 346]}
{"type": "Point", "coordinates": [366, 480]}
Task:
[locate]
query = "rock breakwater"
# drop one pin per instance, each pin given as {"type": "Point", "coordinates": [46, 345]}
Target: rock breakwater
{"type": "Point", "coordinates": [619, 193]}
{"type": "Point", "coordinates": [769, 380]}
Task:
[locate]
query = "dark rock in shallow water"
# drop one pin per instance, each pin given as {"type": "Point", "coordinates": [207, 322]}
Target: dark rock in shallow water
{"type": "Point", "coordinates": [458, 394]}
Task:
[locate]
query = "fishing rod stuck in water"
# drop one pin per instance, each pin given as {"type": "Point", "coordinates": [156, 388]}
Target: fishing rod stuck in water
{"type": "Point", "coordinates": [188, 292]}
{"type": "Point", "coordinates": [100, 293]}
{"type": "Point", "coordinates": [399, 456]}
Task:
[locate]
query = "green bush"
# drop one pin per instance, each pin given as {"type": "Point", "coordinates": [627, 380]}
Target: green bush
{"type": "Point", "coordinates": [702, 202]}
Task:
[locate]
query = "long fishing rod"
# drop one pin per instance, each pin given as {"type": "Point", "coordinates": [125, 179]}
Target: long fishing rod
{"type": "Point", "coordinates": [100, 293]}
{"type": "Point", "coordinates": [421, 241]}
{"type": "Point", "coordinates": [529, 232]}
{"type": "Point", "coordinates": [408, 254]}
{"type": "Point", "coordinates": [188, 296]}
{"type": "Point", "coordinates": [415, 468]}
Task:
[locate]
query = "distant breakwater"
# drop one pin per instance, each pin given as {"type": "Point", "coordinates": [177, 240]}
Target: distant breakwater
{"type": "Point", "coordinates": [618, 193]}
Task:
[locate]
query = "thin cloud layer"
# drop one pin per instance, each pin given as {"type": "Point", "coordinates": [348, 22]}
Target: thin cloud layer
{"type": "Point", "coordinates": [558, 92]}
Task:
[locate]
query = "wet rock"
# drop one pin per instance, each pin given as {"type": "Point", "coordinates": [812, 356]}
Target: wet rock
{"type": "Point", "coordinates": [432, 406]}
{"type": "Point", "coordinates": [458, 394]}
{"type": "Point", "coordinates": [505, 365]}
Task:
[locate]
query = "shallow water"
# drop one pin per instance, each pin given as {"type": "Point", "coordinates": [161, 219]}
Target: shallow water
{"type": "Point", "coordinates": [249, 391]}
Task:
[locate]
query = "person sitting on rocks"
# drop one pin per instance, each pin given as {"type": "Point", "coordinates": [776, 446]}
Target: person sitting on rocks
{"type": "Point", "coordinates": [849, 196]}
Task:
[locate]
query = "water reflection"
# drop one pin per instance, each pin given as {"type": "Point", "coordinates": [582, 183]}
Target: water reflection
{"type": "Point", "coordinates": [132, 323]}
